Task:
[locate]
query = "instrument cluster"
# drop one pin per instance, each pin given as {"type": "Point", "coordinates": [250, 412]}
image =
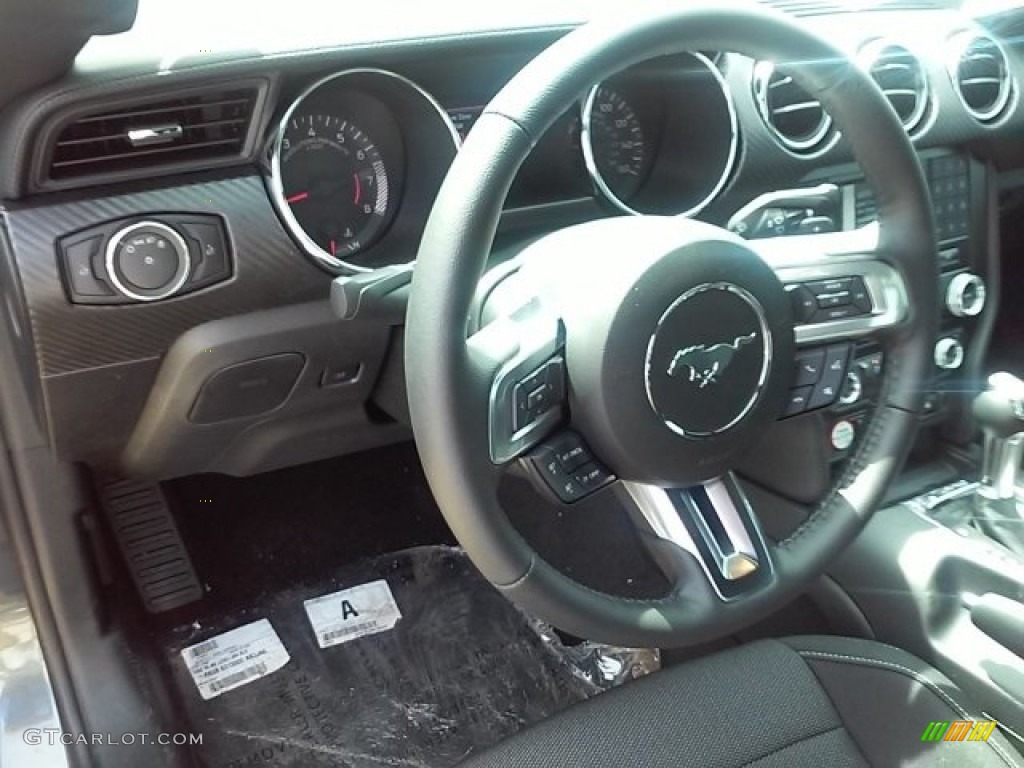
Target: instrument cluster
{"type": "Point", "coordinates": [357, 158]}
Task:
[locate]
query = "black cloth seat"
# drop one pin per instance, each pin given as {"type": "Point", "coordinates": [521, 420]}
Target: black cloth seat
{"type": "Point", "coordinates": [814, 702]}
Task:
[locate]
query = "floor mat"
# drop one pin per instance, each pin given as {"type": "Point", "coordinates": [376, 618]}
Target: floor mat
{"type": "Point", "coordinates": [461, 670]}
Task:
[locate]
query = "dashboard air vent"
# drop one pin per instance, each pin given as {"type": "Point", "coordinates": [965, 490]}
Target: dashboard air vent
{"type": "Point", "coordinates": [902, 79]}
{"type": "Point", "coordinates": [981, 76]}
{"type": "Point", "coordinates": [145, 135]}
{"type": "Point", "coordinates": [795, 118]}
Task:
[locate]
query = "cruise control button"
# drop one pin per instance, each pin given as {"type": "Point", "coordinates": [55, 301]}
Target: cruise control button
{"type": "Point", "coordinates": [570, 451]}
{"type": "Point", "coordinates": [592, 476]}
{"type": "Point", "coordinates": [808, 367]}
{"type": "Point", "coordinates": [551, 471]}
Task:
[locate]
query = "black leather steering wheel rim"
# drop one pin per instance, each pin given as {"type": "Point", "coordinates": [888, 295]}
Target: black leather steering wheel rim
{"type": "Point", "coordinates": [450, 429]}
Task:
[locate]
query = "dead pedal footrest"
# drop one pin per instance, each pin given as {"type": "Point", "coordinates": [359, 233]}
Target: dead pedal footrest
{"type": "Point", "coordinates": [151, 544]}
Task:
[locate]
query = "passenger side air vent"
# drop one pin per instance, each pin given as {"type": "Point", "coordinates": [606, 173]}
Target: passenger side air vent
{"type": "Point", "coordinates": [981, 76]}
{"type": "Point", "coordinates": [902, 79]}
{"type": "Point", "coordinates": [795, 118]}
{"type": "Point", "coordinates": [195, 127]}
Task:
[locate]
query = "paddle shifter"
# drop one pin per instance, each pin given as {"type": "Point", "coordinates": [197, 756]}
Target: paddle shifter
{"type": "Point", "coordinates": [1000, 413]}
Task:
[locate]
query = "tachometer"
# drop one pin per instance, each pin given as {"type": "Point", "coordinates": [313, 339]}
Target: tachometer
{"type": "Point", "coordinates": [334, 183]}
{"type": "Point", "coordinates": [614, 145]}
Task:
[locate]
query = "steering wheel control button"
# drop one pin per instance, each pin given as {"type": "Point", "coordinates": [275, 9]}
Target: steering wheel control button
{"type": "Point", "coordinates": [540, 392]}
{"type": "Point", "coordinates": [591, 476]}
{"type": "Point", "coordinates": [708, 359]}
{"type": "Point", "coordinates": [805, 303]}
{"type": "Point", "coordinates": [568, 468]}
{"type": "Point", "coordinates": [799, 399]}
{"type": "Point", "coordinates": [826, 391]}
{"type": "Point", "coordinates": [147, 261]}
{"type": "Point", "coordinates": [842, 436]}
{"type": "Point", "coordinates": [808, 367]}
{"type": "Point", "coordinates": [570, 451]}
{"type": "Point", "coordinates": [859, 295]}
{"type": "Point", "coordinates": [831, 314]}
{"type": "Point", "coordinates": [826, 301]}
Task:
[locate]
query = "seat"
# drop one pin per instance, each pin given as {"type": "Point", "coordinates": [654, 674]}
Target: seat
{"type": "Point", "coordinates": [819, 702]}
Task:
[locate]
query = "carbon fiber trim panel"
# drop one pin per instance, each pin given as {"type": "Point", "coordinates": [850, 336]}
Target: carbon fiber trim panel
{"type": "Point", "coordinates": [269, 271]}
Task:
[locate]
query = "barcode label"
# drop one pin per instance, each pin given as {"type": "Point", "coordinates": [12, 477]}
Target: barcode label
{"type": "Point", "coordinates": [355, 629]}
{"type": "Point", "coordinates": [352, 613]}
{"type": "Point", "coordinates": [199, 650]}
{"type": "Point", "coordinates": [239, 677]}
{"type": "Point", "coordinates": [235, 658]}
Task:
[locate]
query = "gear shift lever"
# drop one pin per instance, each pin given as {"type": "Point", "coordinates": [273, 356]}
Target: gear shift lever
{"type": "Point", "coordinates": [1000, 413]}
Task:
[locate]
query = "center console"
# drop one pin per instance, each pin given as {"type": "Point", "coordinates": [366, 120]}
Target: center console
{"type": "Point", "coordinates": [957, 186]}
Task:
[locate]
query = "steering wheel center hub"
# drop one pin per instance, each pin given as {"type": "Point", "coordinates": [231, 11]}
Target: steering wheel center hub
{"type": "Point", "coordinates": [679, 356]}
{"type": "Point", "coordinates": [708, 360]}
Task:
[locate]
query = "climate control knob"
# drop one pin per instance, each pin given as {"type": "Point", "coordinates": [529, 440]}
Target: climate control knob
{"type": "Point", "coordinates": [147, 261]}
{"type": "Point", "coordinates": [949, 353]}
{"type": "Point", "coordinates": [965, 295]}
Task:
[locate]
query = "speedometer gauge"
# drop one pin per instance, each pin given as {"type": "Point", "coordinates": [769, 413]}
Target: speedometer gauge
{"type": "Point", "coordinates": [618, 149]}
{"type": "Point", "coordinates": [660, 137]}
{"type": "Point", "coordinates": [334, 183]}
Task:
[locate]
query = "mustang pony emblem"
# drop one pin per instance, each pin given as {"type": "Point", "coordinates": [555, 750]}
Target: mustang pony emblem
{"type": "Point", "coordinates": [705, 363]}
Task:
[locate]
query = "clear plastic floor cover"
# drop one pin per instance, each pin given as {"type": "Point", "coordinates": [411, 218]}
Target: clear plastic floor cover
{"type": "Point", "coordinates": [460, 670]}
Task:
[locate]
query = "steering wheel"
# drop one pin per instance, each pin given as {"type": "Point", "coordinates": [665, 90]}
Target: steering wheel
{"type": "Point", "coordinates": [667, 345]}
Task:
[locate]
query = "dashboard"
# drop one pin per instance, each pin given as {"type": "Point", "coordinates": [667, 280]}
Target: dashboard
{"type": "Point", "coordinates": [173, 235]}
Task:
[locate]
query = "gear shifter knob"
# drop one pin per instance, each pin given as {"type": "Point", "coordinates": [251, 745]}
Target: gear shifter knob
{"type": "Point", "coordinates": [1000, 413]}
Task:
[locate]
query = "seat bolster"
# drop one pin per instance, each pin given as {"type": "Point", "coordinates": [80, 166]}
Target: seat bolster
{"type": "Point", "coordinates": [886, 699]}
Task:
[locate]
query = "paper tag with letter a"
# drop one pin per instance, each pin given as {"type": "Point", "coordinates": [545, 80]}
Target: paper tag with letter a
{"type": "Point", "coordinates": [352, 613]}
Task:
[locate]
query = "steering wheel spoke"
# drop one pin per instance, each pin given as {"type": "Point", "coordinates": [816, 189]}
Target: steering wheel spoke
{"type": "Point", "coordinates": [714, 523]}
{"type": "Point", "coordinates": [523, 353]}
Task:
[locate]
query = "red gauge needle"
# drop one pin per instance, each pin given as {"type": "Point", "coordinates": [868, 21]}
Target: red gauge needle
{"type": "Point", "coordinates": [359, 188]}
{"type": "Point", "coordinates": [297, 198]}
{"type": "Point", "coordinates": [334, 248]}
